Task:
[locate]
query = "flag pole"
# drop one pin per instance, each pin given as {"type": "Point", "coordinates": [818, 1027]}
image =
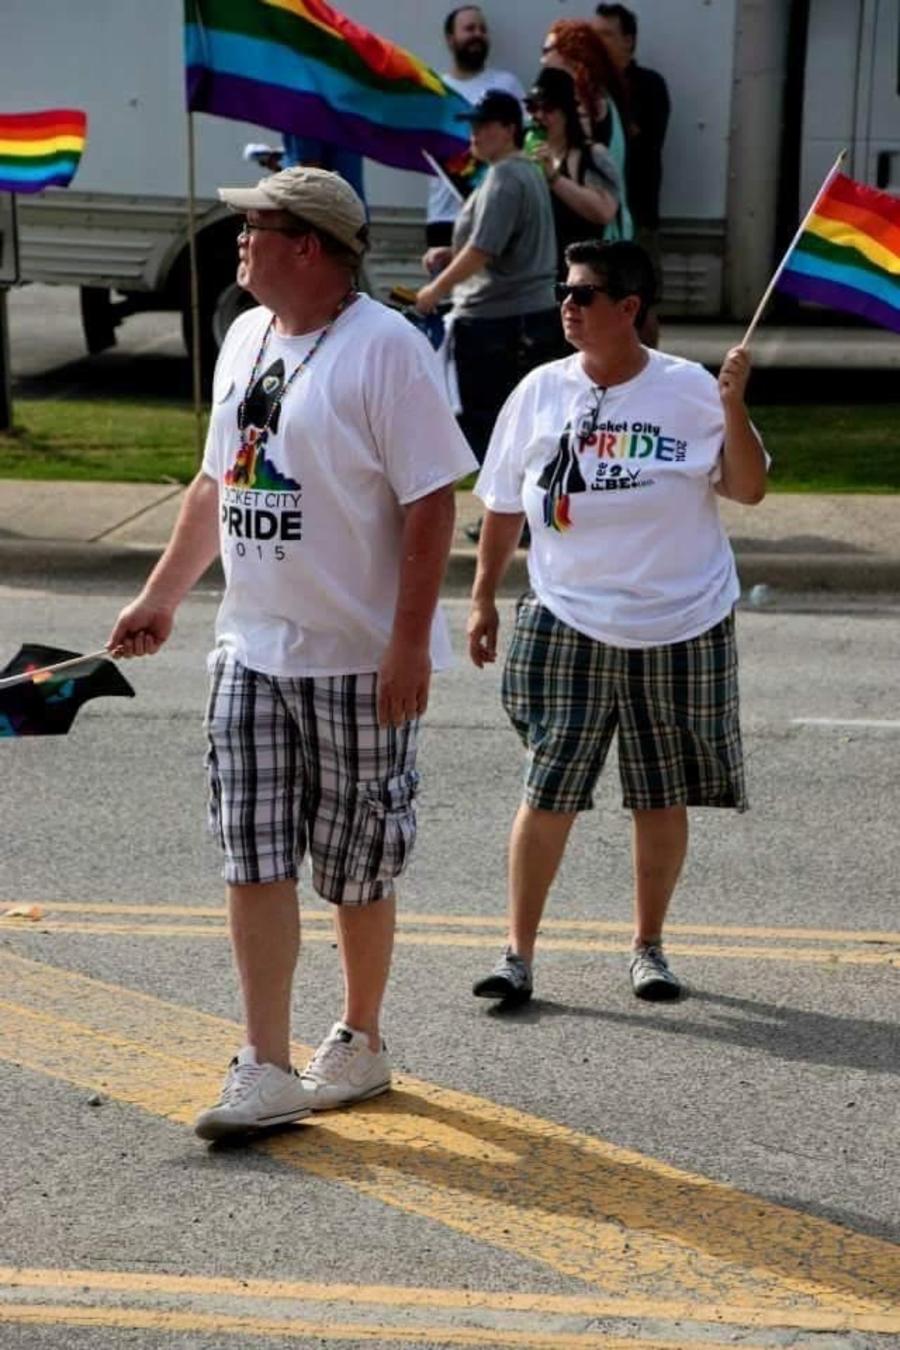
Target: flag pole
{"type": "Point", "coordinates": [195, 292]}
{"type": "Point", "coordinates": [26, 675]}
{"type": "Point", "coordinates": [444, 177]}
{"type": "Point", "coordinates": [835, 168]}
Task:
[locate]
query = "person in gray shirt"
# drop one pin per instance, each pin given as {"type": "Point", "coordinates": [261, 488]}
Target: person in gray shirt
{"type": "Point", "coordinates": [500, 271]}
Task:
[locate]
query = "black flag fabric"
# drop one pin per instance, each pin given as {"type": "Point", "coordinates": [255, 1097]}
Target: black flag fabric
{"type": "Point", "coordinates": [47, 704]}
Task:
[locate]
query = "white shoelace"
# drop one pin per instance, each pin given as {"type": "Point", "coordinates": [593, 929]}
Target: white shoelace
{"type": "Point", "coordinates": [240, 1083]}
{"type": "Point", "coordinates": [329, 1061]}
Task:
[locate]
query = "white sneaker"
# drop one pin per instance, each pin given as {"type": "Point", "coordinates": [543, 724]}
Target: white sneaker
{"type": "Point", "coordinates": [254, 1096]}
{"type": "Point", "coordinates": [345, 1070]}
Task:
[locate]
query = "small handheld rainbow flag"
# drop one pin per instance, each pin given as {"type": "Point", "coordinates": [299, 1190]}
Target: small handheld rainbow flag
{"type": "Point", "coordinates": [42, 688]}
{"type": "Point", "coordinates": [848, 254]}
{"type": "Point", "coordinates": [40, 149]}
{"type": "Point", "coordinates": [301, 66]}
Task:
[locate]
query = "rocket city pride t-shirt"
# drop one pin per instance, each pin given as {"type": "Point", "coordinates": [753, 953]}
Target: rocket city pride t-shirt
{"type": "Point", "coordinates": [311, 511]}
{"type": "Point", "coordinates": [618, 484]}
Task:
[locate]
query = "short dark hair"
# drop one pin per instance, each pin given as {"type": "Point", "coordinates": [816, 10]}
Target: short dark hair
{"type": "Point", "coordinates": [626, 18]}
{"type": "Point", "coordinates": [450, 21]}
{"type": "Point", "coordinates": [624, 268]}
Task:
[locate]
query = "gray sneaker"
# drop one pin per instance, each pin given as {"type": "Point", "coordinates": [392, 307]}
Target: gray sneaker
{"type": "Point", "coordinates": [651, 977]}
{"type": "Point", "coordinates": [510, 980]}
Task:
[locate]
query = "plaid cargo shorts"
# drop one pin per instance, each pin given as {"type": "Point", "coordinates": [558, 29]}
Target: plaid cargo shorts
{"type": "Point", "coordinates": [675, 708]}
{"type": "Point", "coordinates": [302, 763]}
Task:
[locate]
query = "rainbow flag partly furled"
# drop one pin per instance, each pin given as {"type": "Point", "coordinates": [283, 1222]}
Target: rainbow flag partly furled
{"type": "Point", "coordinates": [40, 149]}
{"type": "Point", "coordinates": [848, 256]}
{"type": "Point", "coordinates": [300, 66]}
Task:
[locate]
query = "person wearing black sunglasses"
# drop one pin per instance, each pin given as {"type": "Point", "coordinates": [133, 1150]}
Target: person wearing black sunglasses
{"type": "Point", "coordinates": [585, 189]}
{"type": "Point", "coordinates": [616, 455]}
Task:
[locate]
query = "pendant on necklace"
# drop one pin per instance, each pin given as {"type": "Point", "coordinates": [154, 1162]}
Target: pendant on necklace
{"type": "Point", "coordinates": [243, 471]}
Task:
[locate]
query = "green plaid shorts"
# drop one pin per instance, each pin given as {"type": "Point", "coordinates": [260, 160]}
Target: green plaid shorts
{"type": "Point", "coordinates": [675, 708]}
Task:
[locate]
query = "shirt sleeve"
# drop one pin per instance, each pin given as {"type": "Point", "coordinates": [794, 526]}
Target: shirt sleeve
{"type": "Point", "coordinates": [654, 109]}
{"type": "Point", "coordinates": [496, 211]}
{"type": "Point", "coordinates": [601, 171]}
{"type": "Point", "coordinates": [502, 475]}
{"type": "Point", "coordinates": [417, 436]}
{"type": "Point", "coordinates": [715, 475]}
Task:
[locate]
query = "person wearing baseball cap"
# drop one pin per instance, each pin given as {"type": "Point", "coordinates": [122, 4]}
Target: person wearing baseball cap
{"type": "Point", "coordinates": [499, 271]}
{"type": "Point", "coordinates": [327, 487]}
{"type": "Point", "coordinates": [496, 105]}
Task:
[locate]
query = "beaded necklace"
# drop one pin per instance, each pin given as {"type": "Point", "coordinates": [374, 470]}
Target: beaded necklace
{"type": "Point", "coordinates": [263, 433]}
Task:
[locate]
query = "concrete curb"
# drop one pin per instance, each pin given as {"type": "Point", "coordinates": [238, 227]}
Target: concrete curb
{"type": "Point", "coordinates": [56, 564]}
{"type": "Point", "coordinates": [787, 571]}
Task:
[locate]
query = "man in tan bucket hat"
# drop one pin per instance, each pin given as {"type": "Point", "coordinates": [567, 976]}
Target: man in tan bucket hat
{"type": "Point", "coordinates": [327, 486]}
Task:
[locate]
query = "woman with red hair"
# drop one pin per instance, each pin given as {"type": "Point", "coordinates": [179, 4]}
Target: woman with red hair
{"type": "Point", "coordinates": [574, 45]}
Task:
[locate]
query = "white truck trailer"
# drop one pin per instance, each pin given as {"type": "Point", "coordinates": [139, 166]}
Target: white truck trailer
{"type": "Point", "coordinates": [764, 94]}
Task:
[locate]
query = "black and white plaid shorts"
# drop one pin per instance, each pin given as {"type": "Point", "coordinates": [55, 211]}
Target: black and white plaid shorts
{"type": "Point", "coordinates": [675, 708]}
{"type": "Point", "coordinates": [302, 763]}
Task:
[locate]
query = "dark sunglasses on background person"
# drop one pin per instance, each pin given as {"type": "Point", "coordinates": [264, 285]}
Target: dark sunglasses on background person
{"type": "Point", "coordinates": [581, 295]}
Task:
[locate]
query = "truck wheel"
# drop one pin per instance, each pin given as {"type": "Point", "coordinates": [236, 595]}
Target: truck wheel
{"type": "Point", "coordinates": [231, 302]}
{"type": "Point", "coordinates": [98, 321]}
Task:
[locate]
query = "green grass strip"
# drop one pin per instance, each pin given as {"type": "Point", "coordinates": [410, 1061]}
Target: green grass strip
{"type": "Point", "coordinates": [813, 448]}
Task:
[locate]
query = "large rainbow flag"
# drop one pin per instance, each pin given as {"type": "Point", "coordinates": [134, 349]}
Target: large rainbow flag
{"type": "Point", "coordinates": [300, 66]}
{"type": "Point", "coordinates": [848, 256]}
{"type": "Point", "coordinates": [40, 149]}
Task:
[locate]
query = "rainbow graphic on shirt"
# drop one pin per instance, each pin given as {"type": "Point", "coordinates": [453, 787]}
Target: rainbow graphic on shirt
{"type": "Point", "coordinates": [561, 477]}
{"type": "Point", "coordinates": [252, 470]}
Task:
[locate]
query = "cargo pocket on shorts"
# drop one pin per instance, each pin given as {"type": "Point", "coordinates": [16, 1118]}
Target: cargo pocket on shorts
{"type": "Point", "coordinates": [214, 798]}
{"type": "Point", "coordinates": [383, 829]}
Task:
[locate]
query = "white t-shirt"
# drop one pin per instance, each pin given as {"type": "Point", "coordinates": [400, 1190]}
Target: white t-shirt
{"type": "Point", "coordinates": [618, 485]}
{"type": "Point", "coordinates": [311, 520]}
{"type": "Point", "coordinates": [442, 204]}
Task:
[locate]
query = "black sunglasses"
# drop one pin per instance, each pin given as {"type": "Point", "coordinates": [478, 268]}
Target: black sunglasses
{"type": "Point", "coordinates": [581, 295]}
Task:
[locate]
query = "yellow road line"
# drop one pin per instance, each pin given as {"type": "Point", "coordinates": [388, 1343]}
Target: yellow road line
{"type": "Point", "coordinates": [852, 956]}
{"type": "Point", "coordinates": [410, 919]}
{"type": "Point", "coordinates": [629, 1226]}
{"type": "Point", "coordinates": [294, 1329]}
{"type": "Point", "coordinates": [141, 1284]}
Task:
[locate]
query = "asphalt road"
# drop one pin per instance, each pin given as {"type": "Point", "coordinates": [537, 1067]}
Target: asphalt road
{"type": "Point", "coordinates": [591, 1172]}
{"type": "Point", "coordinates": [48, 357]}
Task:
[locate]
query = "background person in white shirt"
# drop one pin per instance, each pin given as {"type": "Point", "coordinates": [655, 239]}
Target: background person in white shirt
{"type": "Point", "coordinates": [468, 39]}
{"type": "Point", "coordinates": [327, 487]}
{"type": "Point", "coordinates": [616, 454]}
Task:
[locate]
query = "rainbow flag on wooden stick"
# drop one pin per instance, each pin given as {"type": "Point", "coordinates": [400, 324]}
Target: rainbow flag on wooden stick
{"type": "Point", "coordinates": [300, 66]}
{"type": "Point", "coordinates": [40, 149]}
{"type": "Point", "coordinates": [848, 255]}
